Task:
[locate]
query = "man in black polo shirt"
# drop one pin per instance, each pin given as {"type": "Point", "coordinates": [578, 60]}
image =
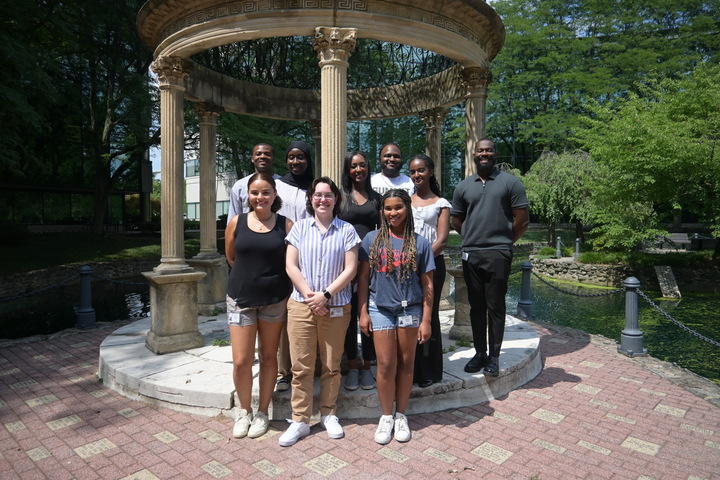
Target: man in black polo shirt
{"type": "Point", "coordinates": [490, 211]}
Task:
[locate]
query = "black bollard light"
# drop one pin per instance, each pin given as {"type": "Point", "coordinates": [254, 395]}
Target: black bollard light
{"type": "Point", "coordinates": [631, 339]}
{"type": "Point", "coordinates": [525, 305]}
{"type": "Point", "coordinates": [86, 313]}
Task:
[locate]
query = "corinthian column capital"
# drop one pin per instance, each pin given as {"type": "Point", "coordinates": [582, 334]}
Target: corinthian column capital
{"type": "Point", "coordinates": [475, 78]}
{"type": "Point", "coordinates": [334, 44]}
{"type": "Point", "coordinates": [434, 117]}
{"type": "Point", "coordinates": [207, 112]}
{"type": "Point", "coordinates": [171, 70]}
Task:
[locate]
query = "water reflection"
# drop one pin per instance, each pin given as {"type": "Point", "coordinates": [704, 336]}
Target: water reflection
{"type": "Point", "coordinates": [606, 316]}
{"type": "Point", "coordinates": [56, 309]}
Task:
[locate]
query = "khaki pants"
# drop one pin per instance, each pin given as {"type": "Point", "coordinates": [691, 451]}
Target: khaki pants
{"type": "Point", "coordinates": [309, 335]}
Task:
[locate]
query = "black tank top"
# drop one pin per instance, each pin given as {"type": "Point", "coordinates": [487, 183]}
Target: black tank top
{"type": "Point", "coordinates": [258, 277]}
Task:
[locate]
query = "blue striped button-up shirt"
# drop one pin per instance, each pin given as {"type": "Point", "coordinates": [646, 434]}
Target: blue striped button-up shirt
{"type": "Point", "coordinates": [322, 255]}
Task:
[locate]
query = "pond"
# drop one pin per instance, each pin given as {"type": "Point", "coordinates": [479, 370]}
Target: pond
{"type": "Point", "coordinates": [56, 309]}
{"type": "Point", "coordinates": [606, 316]}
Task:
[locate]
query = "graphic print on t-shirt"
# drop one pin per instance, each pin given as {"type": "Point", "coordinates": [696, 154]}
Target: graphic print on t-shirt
{"type": "Point", "coordinates": [399, 258]}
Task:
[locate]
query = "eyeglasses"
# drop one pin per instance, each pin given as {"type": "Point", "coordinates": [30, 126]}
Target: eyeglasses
{"type": "Point", "coordinates": [323, 196]}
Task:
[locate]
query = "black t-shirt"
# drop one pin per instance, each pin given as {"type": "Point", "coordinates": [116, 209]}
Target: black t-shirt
{"type": "Point", "coordinates": [363, 217]}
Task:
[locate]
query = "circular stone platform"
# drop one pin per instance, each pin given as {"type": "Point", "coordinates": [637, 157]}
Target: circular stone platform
{"type": "Point", "coordinates": [200, 380]}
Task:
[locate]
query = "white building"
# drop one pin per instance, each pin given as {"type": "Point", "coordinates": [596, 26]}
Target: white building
{"type": "Point", "coordinates": [225, 179]}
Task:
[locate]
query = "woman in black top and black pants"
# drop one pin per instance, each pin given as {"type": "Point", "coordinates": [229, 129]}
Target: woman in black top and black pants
{"type": "Point", "coordinates": [361, 209]}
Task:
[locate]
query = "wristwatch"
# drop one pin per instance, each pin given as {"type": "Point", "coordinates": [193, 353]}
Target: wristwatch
{"type": "Point", "coordinates": [327, 294]}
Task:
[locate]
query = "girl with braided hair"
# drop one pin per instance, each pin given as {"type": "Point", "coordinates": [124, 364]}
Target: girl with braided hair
{"type": "Point", "coordinates": [395, 293]}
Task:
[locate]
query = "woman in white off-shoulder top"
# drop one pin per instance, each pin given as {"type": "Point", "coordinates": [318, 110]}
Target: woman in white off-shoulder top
{"type": "Point", "coordinates": [431, 214]}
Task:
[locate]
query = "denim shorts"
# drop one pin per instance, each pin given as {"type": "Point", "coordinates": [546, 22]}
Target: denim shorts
{"type": "Point", "coordinates": [245, 316]}
{"type": "Point", "coordinates": [382, 318]}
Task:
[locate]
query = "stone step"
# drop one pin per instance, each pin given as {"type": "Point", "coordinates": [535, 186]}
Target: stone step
{"type": "Point", "coordinates": [200, 380]}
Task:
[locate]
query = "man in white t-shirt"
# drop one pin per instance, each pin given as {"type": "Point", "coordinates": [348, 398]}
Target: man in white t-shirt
{"type": "Point", "coordinates": [263, 157]}
{"type": "Point", "coordinates": [390, 177]}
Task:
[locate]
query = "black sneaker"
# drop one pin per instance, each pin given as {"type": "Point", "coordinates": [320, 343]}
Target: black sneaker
{"type": "Point", "coordinates": [476, 363]}
{"type": "Point", "coordinates": [492, 369]}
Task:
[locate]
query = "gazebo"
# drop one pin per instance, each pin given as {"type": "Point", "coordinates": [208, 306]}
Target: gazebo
{"type": "Point", "coordinates": [469, 32]}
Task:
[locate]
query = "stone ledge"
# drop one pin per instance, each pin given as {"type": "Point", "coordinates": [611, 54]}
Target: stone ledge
{"type": "Point", "coordinates": [200, 380]}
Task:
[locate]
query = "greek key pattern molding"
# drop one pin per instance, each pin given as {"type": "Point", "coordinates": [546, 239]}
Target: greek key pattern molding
{"type": "Point", "coordinates": [257, 6]}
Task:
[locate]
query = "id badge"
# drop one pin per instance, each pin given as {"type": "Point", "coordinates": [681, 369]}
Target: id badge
{"type": "Point", "coordinates": [465, 256]}
{"type": "Point", "coordinates": [407, 320]}
{"type": "Point", "coordinates": [336, 311]}
{"type": "Point", "coordinates": [234, 318]}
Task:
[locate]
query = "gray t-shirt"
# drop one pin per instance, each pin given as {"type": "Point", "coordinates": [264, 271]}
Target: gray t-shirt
{"type": "Point", "coordinates": [385, 290]}
{"type": "Point", "coordinates": [487, 208]}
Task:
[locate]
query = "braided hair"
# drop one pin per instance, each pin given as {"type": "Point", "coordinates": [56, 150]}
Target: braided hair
{"type": "Point", "coordinates": [383, 242]}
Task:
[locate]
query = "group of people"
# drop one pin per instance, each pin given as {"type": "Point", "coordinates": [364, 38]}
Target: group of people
{"type": "Point", "coordinates": [310, 261]}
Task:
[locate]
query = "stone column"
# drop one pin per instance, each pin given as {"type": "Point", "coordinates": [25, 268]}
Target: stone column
{"type": "Point", "coordinates": [211, 289]}
{"type": "Point", "coordinates": [208, 115]}
{"type": "Point", "coordinates": [171, 73]}
{"type": "Point", "coordinates": [476, 80]}
{"type": "Point", "coordinates": [317, 138]}
{"type": "Point", "coordinates": [334, 46]}
{"type": "Point", "coordinates": [173, 283]}
{"type": "Point", "coordinates": [433, 137]}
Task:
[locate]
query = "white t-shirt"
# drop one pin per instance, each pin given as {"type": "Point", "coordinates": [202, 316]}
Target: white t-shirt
{"type": "Point", "coordinates": [381, 184]}
{"type": "Point", "coordinates": [294, 204]}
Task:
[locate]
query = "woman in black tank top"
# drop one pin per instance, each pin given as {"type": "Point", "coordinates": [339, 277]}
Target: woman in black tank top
{"type": "Point", "coordinates": [258, 288]}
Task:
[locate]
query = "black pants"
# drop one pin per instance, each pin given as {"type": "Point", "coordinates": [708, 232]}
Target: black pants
{"type": "Point", "coordinates": [486, 276]}
{"type": "Point", "coordinates": [429, 355]}
{"type": "Point", "coordinates": [351, 345]}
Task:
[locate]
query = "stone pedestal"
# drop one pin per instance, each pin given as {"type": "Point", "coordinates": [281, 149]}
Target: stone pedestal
{"type": "Point", "coordinates": [461, 321]}
{"type": "Point", "coordinates": [211, 289]}
{"type": "Point", "coordinates": [173, 312]}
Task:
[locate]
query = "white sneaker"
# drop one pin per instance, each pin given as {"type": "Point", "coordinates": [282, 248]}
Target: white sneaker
{"type": "Point", "coordinates": [295, 432]}
{"type": "Point", "coordinates": [259, 425]}
{"type": "Point", "coordinates": [332, 425]}
{"type": "Point", "coordinates": [402, 429]}
{"type": "Point", "coordinates": [243, 418]}
{"type": "Point", "coordinates": [383, 434]}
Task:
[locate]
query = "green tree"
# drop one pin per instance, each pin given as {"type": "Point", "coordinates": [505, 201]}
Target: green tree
{"type": "Point", "coordinates": [661, 151]}
{"type": "Point", "coordinates": [559, 189]}
{"type": "Point", "coordinates": [560, 56]}
{"type": "Point", "coordinates": [79, 106]}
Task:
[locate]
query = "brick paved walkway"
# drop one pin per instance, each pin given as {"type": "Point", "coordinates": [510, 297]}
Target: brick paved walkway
{"type": "Point", "coordinates": [590, 414]}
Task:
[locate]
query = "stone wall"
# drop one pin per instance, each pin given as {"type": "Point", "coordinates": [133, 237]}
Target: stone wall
{"type": "Point", "coordinates": [706, 280]}
{"type": "Point", "coordinates": [16, 284]}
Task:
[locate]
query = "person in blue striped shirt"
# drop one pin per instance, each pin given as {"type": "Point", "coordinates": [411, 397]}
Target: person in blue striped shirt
{"type": "Point", "coordinates": [321, 261]}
